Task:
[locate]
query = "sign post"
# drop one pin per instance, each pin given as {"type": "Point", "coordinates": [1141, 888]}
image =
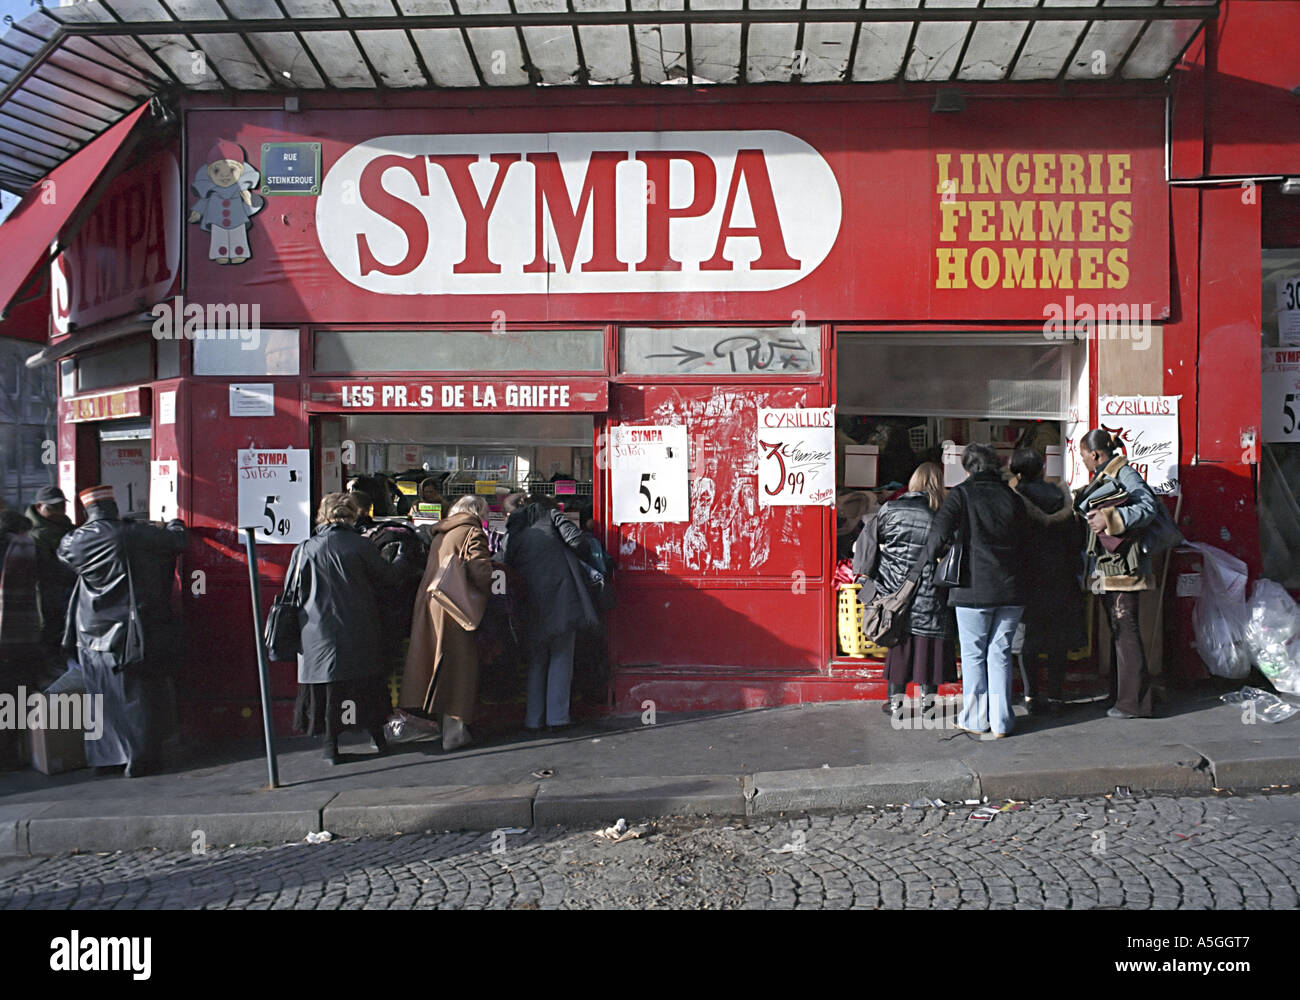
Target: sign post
{"type": "Point", "coordinates": [263, 666]}
{"type": "Point", "coordinates": [274, 495]}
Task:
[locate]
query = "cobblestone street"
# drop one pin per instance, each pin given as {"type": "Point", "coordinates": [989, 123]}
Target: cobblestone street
{"type": "Point", "coordinates": [1123, 852]}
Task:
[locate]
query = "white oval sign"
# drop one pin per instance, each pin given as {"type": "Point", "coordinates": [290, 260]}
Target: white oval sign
{"type": "Point", "coordinates": [578, 212]}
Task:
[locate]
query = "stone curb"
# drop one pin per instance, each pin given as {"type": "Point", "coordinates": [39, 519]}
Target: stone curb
{"type": "Point", "coordinates": [602, 801]}
{"type": "Point", "coordinates": [176, 823]}
{"type": "Point", "coordinates": [47, 828]}
{"type": "Point", "coordinates": [848, 788]}
{"type": "Point", "coordinates": [381, 812]}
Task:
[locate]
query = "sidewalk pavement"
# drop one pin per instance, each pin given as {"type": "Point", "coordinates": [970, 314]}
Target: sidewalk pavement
{"type": "Point", "coordinates": [839, 756]}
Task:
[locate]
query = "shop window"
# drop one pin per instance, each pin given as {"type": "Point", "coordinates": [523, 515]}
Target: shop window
{"type": "Point", "coordinates": [982, 376]}
{"type": "Point", "coordinates": [116, 366]}
{"type": "Point", "coordinates": [511, 350]}
{"type": "Point", "coordinates": [1279, 460]}
{"type": "Point", "coordinates": [246, 352]}
{"type": "Point", "coordinates": [67, 377]}
{"type": "Point", "coordinates": [169, 358]}
{"type": "Point", "coordinates": [696, 350]}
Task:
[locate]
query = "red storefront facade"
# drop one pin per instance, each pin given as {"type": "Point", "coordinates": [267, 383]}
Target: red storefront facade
{"type": "Point", "coordinates": [759, 243]}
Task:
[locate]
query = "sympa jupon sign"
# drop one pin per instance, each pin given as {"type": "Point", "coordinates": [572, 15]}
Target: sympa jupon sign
{"type": "Point", "coordinates": [676, 211]}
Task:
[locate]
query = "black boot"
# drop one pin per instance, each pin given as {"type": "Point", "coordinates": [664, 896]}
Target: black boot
{"type": "Point", "coordinates": [929, 700]}
{"type": "Point", "coordinates": [331, 752]}
{"type": "Point", "coordinates": [893, 704]}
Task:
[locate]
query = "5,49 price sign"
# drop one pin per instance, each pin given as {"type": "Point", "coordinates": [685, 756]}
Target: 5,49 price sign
{"type": "Point", "coordinates": [649, 468]}
{"type": "Point", "coordinates": [275, 494]}
{"type": "Point", "coordinates": [796, 457]}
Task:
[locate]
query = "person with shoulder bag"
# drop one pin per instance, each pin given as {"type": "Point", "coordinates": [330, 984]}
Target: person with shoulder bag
{"type": "Point", "coordinates": [543, 547]}
{"type": "Point", "coordinates": [985, 524]}
{"type": "Point", "coordinates": [1055, 615]}
{"type": "Point", "coordinates": [926, 654]}
{"type": "Point", "coordinates": [337, 580]}
{"type": "Point", "coordinates": [442, 666]}
{"type": "Point", "coordinates": [1129, 524]}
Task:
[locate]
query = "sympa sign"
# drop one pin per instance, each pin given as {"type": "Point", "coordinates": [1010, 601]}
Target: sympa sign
{"type": "Point", "coordinates": [676, 214]}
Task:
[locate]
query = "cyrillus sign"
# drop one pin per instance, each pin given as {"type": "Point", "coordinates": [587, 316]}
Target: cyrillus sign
{"type": "Point", "coordinates": [578, 212]}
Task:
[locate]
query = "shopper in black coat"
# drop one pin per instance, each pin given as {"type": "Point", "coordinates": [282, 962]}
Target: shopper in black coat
{"type": "Point", "coordinates": [342, 581]}
{"type": "Point", "coordinates": [985, 515]}
{"type": "Point", "coordinates": [1054, 614]}
{"type": "Point", "coordinates": [543, 546]}
{"type": "Point", "coordinates": [121, 625]}
{"type": "Point", "coordinates": [927, 654]}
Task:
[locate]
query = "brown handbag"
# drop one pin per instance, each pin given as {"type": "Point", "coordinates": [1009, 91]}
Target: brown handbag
{"type": "Point", "coordinates": [451, 588]}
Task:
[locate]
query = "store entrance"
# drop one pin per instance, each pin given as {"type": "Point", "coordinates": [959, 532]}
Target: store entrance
{"type": "Point", "coordinates": [419, 465]}
{"type": "Point", "coordinates": [414, 467]}
{"type": "Point", "coordinates": [905, 399]}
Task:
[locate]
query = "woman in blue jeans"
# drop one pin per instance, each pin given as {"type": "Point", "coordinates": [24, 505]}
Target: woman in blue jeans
{"type": "Point", "coordinates": [556, 604]}
{"type": "Point", "coordinates": [989, 518]}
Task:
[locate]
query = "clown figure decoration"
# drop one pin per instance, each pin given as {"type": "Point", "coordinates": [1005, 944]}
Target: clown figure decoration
{"type": "Point", "coordinates": [224, 185]}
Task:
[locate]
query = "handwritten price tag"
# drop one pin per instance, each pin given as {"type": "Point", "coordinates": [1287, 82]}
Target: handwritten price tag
{"type": "Point", "coordinates": [648, 469]}
{"type": "Point", "coordinates": [274, 494]}
{"type": "Point", "coordinates": [796, 457]}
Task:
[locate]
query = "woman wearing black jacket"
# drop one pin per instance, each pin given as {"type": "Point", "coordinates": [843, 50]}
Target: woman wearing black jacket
{"type": "Point", "coordinates": [927, 656]}
{"type": "Point", "coordinates": [1054, 616]}
{"type": "Point", "coordinates": [990, 519]}
{"type": "Point", "coordinates": [543, 546]}
{"type": "Point", "coordinates": [342, 581]}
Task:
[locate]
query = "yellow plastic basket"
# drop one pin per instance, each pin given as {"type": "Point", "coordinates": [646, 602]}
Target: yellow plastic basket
{"type": "Point", "coordinates": [852, 642]}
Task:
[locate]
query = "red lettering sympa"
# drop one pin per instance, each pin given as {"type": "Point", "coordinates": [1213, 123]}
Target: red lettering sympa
{"type": "Point", "coordinates": [401, 213]}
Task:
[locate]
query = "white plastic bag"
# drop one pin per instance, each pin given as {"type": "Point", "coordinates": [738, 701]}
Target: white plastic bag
{"type": "Point", "coordinates": [1219, 617]}
{"type": "Point", "coordinates": [1272, 633]}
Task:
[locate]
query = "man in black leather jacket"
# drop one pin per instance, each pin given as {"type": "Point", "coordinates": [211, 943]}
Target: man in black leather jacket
{"type": "Point", "coordinates": [121, 626]}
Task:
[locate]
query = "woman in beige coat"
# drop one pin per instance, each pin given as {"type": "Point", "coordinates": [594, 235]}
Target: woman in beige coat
{"type": "Point", "coordinates": [441, 672]}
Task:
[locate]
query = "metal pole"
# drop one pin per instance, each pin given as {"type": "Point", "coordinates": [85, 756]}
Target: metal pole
{"type": "Point", "coordinates": [263, 667]}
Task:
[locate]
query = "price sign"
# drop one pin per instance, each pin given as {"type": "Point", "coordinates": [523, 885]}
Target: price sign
{"type": "Point", "coordinates": [648, 471]}
{"type": "Point", "coordinates": [162, 491]}
{"type": "Point", "coordinates": [274, 494]}
{"type": "Point", "coordinates": [1288, 310]}
{"type": "Point", "coordinates": [1279, 385]}
{"type": "Point", "coordinates": [796, 457]}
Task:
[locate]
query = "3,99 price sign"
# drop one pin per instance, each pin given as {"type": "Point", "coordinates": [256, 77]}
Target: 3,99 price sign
{"type": "Point", "coordinates": [796, 457]}
{"type": "Point", "coordinates": [1279, 386]}
{"type": "Point", "coordinates": [275, 494]}
{"type": "Point", "coordinates": [648, 471]}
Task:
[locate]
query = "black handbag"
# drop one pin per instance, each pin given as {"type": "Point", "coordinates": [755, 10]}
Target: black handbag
{"type": "Point", "coordinates": [600, 586]}
{"type": "Point", "coordinates": [954, 569]}
{"type": "Point", "coordinates": [283, 632]}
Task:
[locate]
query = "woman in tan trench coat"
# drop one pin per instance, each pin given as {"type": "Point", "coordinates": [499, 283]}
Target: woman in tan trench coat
{"type": "Point", "coordinates": [441, 672]}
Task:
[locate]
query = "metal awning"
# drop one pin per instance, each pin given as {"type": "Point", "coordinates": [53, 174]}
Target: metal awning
{"type": "Point", "coordinates": [36, 229]}
{"type": "Point", "coordinates": [67, 73]}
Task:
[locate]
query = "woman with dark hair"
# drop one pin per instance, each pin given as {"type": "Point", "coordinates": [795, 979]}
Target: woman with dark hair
{"type": "Point", "coordinates": [1054, 616]}
{"type": "Point", "coordinates": [989, 519]}
{"type": "Point", "coordinates": [341, 580]}
{"type": "Point", "coordinates": [556, 604]}
{"type": "Point", "coordinates": [1119, 572]}
{"type": "Point", "coordinates": [892, 540]}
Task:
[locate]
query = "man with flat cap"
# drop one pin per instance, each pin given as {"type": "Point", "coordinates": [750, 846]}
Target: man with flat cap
{"type": "Point", "coordinates": [120, 622]}
{"type": "Point", "coordinates": [50, 522]}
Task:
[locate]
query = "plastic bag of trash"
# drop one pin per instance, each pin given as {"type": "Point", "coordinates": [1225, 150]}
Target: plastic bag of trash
{"type": "Point", "coordinates": [403, 727]}
{"type": "Point", "coordinates": [1264, 704]}
{"type": "Point", "coordinates": [1273, 635]}
{"type": "Point", "coordinates": [1219, 617]}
